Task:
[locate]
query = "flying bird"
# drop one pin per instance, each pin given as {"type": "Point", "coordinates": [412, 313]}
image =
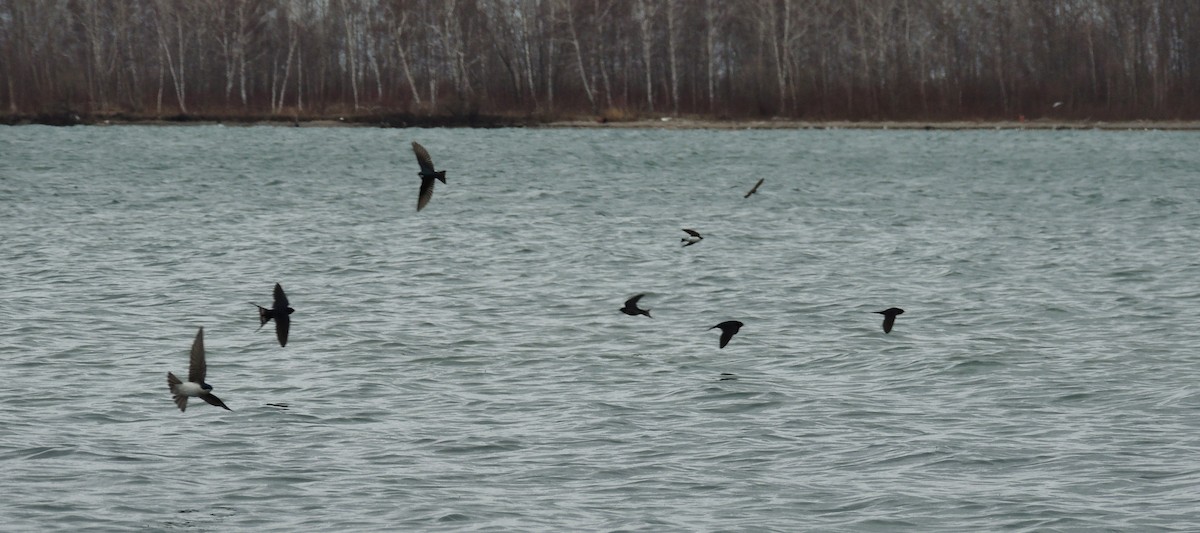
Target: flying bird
{"type": "Point", "coordinates": [279, 311]}
{"type": "Point", "coordinates": [693, 238]}
{"type": "Point", "coordinates": [728, 329]}
{"type": "Point", "coordinates": [889, 317]}
{"type": "Point", "coordinates": [195, 385]}
{"type": "Point", "coordinates": [632, 309]}
{"type": "Point", "coordinates": [428, 174]}
{"type": "Point", "coordinates": [755, 188]}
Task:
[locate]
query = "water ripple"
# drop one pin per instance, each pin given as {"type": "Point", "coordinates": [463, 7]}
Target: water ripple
{"type": "Point", "coordinates": [466, 368]}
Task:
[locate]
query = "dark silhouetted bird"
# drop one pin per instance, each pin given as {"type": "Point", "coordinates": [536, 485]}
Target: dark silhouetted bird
{"type": "Point", "coordinates": [728, 329]}
{"type": "Point", "coordinates": [632, 309]}
{"type": "Point", "coordinates": [195, 385]}
{"type": "Point", "coordinates": [428, 174]}
{"type": "Point", "coordinates": [279, 311]}
{"type": "Point", "coordinates": [693, 238]}
{"type": "Point", "coordinates": [755, 188]}
{"type": "Point", "coordinates": [889, 317]}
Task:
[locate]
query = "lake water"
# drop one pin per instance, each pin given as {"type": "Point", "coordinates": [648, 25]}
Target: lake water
{"type": "Point", "coordinates": [466, 367]}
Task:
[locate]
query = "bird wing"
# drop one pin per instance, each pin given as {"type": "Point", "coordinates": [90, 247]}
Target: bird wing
{"type": "Point", "coordinates": [281, 301]}
{"type": "Point", "coordinates": [632, 302]}
{"type": "Point", "coordinates": [755, 188]}
{"type": "Point", "coordinates": [692, 232]}
{"type": "Point", "coordinates": [726, 334]}
{"type": "Point", "coordinates": [426, 193]}
{"type": "Point", "coordinates": [888, 320]}
{"type": "Point", "coordinates": [196, 367]}
{"type": "Point", "coordinates": [212, 400]}
{"type": "Point", "coordinates": [281, 330]}
{"type": "Point", "coordinates": [423, 158]}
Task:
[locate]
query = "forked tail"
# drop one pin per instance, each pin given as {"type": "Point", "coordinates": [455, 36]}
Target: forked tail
{"type": "Point", "coordinates": [264, 315]}
{"type": "Point", "coordinates": [180, 399]}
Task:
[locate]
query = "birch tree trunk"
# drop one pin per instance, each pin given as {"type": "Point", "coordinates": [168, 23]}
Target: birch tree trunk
{"type": "Point", "coordinates": [94, 30]}
{"type": "Point", "coordinates": [300, 82]}
{"type": "Point", "coordinates": [602, 18]}
{"type": "Point", "coordinates": [351, 43]}
{"type": "Point", "coordinates": [287, 67]}
{"type": "Point", "coordinates": [398, 35]}
{"type": "Point", "coordinates": [240, 42]}
{"type": "Point", "coordinates": [178, 79]}
{"type": "Point", "coordinates": [583, 78]}
{"type": "Point", "coordinates": [672, 40]}
{"type": "Point", "coordinates": [710, 37]}
{"type": "Point", "coordinates": [526, 49]}
{"type": "Point", "coordinates": [547, 37]}
{"type": "Point", "coordinates": [644, 14]}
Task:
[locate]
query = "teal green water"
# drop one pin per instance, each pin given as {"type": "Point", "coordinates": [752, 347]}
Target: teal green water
{"type": "Point", "coordinates": [466, 367]}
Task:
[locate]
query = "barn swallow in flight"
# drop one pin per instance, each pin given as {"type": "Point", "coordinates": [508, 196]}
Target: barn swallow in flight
{"type": "Point", "coordinates": [428, 174]}
{"type": "Point", "coordinates": [279, 311]}
{"type": "Point", "coordinates": [889, 317]}
{"type": "Point", "coordinates": [632, 309]}
{"type": "Point", "coordinates": [755, 188]}
{"type": "Point", "coordinates": [728, 329]}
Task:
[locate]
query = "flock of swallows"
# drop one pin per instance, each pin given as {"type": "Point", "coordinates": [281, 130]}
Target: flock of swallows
{"type": "Point", "coordinates": [195, 385]}
{"type": "Point", "coordinates": [280, 311]}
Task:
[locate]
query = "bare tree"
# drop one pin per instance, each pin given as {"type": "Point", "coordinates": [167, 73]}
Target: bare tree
{"type": "Point", "coordinates": [279, 91]}
{"type": "Point", "coordinates": [711, 18]}
{"type": "Point", "coordinates": [97, 26]}
{"type": "Point", "coordinates": [915, 59]}
{"type": "Point", "coordinates": [169, 26]}
{"type": "Point", "coordinates": [569, 8]}
{"type": "Point", "coordinates": [672, 8]}
{"type": "Point", "coordinates": [398, 29]}
{"type": "Point", "coordinates": [352, 25]}
{"type": "Point", "coordinates": [644, 13]}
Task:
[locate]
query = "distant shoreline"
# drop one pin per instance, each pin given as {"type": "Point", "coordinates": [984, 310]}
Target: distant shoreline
{"type": "Point", "coordinates": [671, 123]}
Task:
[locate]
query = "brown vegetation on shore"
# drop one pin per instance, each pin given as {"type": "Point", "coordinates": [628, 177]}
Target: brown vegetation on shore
{"type": "Point", "coordinates": [532, 62]}
{"type": "Point", "coordinates": [401, 120]}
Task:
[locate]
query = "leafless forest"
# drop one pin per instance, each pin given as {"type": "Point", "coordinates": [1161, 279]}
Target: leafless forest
{"type": "Point", "coordinates": [805, 59]}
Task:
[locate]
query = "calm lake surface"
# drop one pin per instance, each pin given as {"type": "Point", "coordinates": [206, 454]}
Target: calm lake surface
{"type": "Point", "coordinates": [466, 367]}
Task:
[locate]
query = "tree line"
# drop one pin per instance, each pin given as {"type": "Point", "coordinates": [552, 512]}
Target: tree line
{"type": "Point", "coordinates": [805, 59]}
